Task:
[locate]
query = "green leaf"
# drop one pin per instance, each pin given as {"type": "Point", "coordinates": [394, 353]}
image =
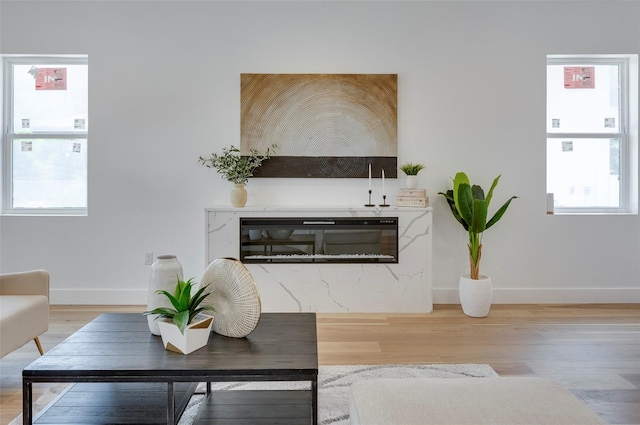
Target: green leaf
{"type": "Point", "coordinates": [452, 206]}
{"type": "Point", "coordinates": [459, 179]}
{"type": "Point", "coordinates": [199, 297]}
{"type": "Point", "coordinates": [498, 215]}
{"type": "Point", "coordinates": [479, 219]}
{"type": "Point", "coordinates": [174, 301]}
{"type": "Point", "coordinates": [197, 311]}
{"type": "Point", "coordinates": [464, 202]}
{"type": "Point", "coordinates": [185, 295]}
{"type": "Point", "coordinates": [477, 192]}
{"type": "Point", "coordinates": [162, 311]}
{"type": "Point", "coordinates": [182, 320]}
{"type": "Point", "coordinates": [493, 186]}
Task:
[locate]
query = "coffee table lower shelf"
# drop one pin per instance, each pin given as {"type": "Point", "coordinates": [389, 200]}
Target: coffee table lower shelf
{"type": "Point", "coordinates": [145, 403]}
{"type": "Point", "coordinates": [114, 403]}
{"type": "Point", "coordinates": [256, 407]}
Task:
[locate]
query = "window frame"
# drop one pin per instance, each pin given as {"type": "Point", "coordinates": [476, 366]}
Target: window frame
{"type": "Point", "coordinates": [9, 134]}
{"type": "Point", "coordinates": [625, 204]}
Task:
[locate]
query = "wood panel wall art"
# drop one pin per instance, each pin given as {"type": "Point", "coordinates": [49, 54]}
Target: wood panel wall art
{"type": "Point", "coordinates": [325, 125]}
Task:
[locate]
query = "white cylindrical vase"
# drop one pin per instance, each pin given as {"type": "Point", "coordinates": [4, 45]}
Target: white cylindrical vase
{"type": "Point", "coordinates": [475, 295]}
{"type": "Point", "coordinates": [165, 273]}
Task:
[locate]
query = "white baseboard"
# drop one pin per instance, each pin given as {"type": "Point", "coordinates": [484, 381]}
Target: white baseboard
{"type": "Point", "coordinates": [98, 296]}
{"type": "Point", "coordinates": [440, 296]}
{"type": "Point", "coordinates": [548, 296]}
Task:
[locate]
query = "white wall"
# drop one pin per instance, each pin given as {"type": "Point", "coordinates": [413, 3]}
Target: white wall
{"type": "Point", "coordinates": [164, 89]}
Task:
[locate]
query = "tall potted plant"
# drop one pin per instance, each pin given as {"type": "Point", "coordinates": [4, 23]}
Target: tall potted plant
{"type": "Point", "coordinates": [470, 207]}
{"type": "Point", "coordinates": [237, 168]}
{"type": "Point", "coordinates": [181, 328]}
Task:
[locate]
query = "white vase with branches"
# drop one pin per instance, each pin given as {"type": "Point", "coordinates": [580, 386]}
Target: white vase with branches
{"type": "Point", "coordinates": [237, 168]}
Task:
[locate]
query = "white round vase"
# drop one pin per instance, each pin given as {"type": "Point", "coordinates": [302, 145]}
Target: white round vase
{"type": "Point", "coordinates": [475, 295]}
{"type": "Point", "coordinates": [165, 272]}
{"type": "Point", "coordinates": [411, 182]}
{"type": "Point", "coordinates": [238, 195]}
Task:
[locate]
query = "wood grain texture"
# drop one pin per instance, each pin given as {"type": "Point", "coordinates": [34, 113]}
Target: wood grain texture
{"type": "Point", "coordinates": [321, 123]}
{"type": "Point", "coordinates": [593, 350]}
{"type": "Point", "coordinates": [118, 348]}
{"type": "Point", "coordinates": [116, 403]}
{"type": "Point", "coordinates": [256, 408]}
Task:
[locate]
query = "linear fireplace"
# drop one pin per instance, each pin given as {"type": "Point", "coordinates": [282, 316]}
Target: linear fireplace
{"type": "Point", "coordinates": [319, 240]}
{"type": "Point", "coordinates": [372, 286]}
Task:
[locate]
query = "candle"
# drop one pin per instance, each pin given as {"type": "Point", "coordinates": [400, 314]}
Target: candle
{"type": "Point", "coordinates": [369, 176]}
{"type": "Point", "coordinates": [383, 193]}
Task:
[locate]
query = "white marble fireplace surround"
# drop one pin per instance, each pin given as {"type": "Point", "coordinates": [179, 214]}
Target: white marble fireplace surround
{"type": "Point", "coordinates": [404, 287]}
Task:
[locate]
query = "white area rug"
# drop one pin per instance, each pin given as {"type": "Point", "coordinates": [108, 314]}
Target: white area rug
{"type": "Point", "coordinates": [333, 386]}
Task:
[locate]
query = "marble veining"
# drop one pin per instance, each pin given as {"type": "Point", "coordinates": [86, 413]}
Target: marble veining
{"type": "Point", "coordinates": [335, 287]}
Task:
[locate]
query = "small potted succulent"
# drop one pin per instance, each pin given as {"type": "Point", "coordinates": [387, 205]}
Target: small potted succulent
{"type": "Point", "coordinates": [181, 327]}
{"type": "Point", "coordinates": [411, 170]}
{"type": "Point", "coordinates": [237, 168]}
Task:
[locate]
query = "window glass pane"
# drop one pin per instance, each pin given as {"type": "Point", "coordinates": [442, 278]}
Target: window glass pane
{"type": "Point", "coordinates": [50, 97]}
{"type": "Point", "coordinates": [584, 172]}
{"type": "Point", "coordinates": [583, 110]}
{"type": "Point", "coordinates": [49, 173]}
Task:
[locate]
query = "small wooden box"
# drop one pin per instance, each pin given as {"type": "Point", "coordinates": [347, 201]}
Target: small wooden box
{"type": "Point", "coordinates": [420, 193]}
{"type": "Point", "coordinates": [412, 201]}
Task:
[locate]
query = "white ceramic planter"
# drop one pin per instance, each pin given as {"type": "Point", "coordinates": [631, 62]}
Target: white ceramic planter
{"type": "Point", "coordinates": [411, 182]}
{"type": "Point", "coordinates": [475, 295]}
{"type": "Point", "coordinates": [195, 336]}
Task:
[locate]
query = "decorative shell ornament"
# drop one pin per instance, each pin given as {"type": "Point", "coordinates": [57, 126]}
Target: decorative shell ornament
{"type": "Point", "coordinates": [235, 296]}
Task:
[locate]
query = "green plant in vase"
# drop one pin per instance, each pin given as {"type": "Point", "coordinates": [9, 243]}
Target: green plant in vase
{"type": "Point", "coordinates": [470, 207]}
{"type": "Point", "coordinates": [185, 306]}
{"type": "Point", "coordinates": [237, 168]}
{"type": "Point", "coordinates": [411, 169]}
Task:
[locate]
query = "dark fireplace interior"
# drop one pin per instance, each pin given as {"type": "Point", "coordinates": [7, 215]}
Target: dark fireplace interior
{"type": "Point", "coordinates": [319, 240]}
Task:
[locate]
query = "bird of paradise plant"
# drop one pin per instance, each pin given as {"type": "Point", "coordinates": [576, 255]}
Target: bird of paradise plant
{"type": "Point", "coordinates": [470, 207]}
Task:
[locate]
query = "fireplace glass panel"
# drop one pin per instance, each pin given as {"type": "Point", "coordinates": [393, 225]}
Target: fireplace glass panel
{"type": "Point", "coordinates": [318, 240]}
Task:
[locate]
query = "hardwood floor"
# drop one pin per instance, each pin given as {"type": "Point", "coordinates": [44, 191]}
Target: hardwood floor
{"type": "Point", "coordinates": [592, 350]}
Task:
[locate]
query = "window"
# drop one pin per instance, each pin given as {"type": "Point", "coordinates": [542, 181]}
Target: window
{"type": "Point", "coordinates": [590, 166]}
{"type": "Point", "coordinates": [44, 144]}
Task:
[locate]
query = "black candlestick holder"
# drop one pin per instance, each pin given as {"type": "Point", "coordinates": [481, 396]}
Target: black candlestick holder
{"type": "Point", "coordinates": [384, 201]}
{"type": "Point", "coordinates": [369, 204]}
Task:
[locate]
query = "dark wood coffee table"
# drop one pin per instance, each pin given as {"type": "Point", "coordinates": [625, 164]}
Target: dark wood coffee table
{"type": "Point", "coordinates": [131, 365]}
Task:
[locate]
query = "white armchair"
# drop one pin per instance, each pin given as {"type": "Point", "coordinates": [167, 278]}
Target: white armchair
{"type": "Point", "coordinates": [24, 309]}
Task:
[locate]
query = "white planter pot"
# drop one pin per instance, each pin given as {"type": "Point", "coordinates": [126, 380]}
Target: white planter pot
{"type": "Point", "coordinates": [165, 272]}
{"type": "Point", "coordinates": [195, 336]}
{"type": "Point", "coordinates": [475, 295]}
{"type": "Point", "coordinates": [411, 182]}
